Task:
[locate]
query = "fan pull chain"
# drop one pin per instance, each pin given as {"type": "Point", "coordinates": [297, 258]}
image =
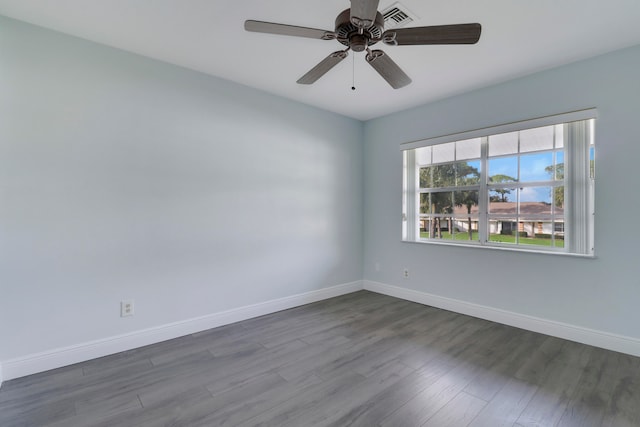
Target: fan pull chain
{"type": "Point", "coordinates": [353, 73]}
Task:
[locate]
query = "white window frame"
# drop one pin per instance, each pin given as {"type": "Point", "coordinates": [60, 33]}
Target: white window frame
{"type": "Point", "coordinates": [578, 182]}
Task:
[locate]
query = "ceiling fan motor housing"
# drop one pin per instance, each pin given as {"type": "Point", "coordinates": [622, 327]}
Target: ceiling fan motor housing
{"type": "Point", "coordinates": [349, 35]}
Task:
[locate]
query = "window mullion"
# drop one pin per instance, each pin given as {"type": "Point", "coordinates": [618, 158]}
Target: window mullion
{"type": "Point", "coordinates": [483, 196]}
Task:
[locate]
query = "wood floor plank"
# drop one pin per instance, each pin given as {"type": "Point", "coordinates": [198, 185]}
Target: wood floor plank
{"type": "Point", "coordinates": [116, 362]}
{"type": "Point", "coordinates": [561, 376]}
{"type": "Point", "coordinates": [157, 415]}
{"type": "Point", "coordinates": [458, 412]}
{"type": "Point", "coordinates": [516, 346]}
{"type": "Point", "coordinates": [225, 372]}
{"type": "Point", "coordinates": [435, 343]}
{"type": "Point", "coordinates": [505, 407]}
{"type": "Point", "coordinates": [623, 409]}
{"type": "Point", "coordinates": [21, 390]}
{"type": "Point", "coordinates": [593, 392]}
{"type": "Point", "coordinates": [201, 413]}
{"type": "Point", "coordinates": [429, 401]}
{"type": "Point", "coordinates": [197, 365]}
{"type": "Point", "coordinates": [334, 406]}
{"type": "Point", "coordinates": [362, 359]}
{"type": "Point", "coordinates": [535, 367]}
{"type": "Point", "coordinates": [300, 331]}
{"type": "Point", "coordinates": [378, 407]}
{"type": "Point", "coordinates": [257, 403]}
{"type": "Point", "coordinates": [305, 401]}
{"type": "Point", "coordinates": [336, 356]}
{"type": "Point", "coordinates": [50, 410]}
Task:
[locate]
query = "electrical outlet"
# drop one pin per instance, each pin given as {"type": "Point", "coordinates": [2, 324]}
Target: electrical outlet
{"type": "Point", "coordinates": [405, 273]}
{"type": "Point", "coordinates": [126, 308]}
{"type": "Point", "coordinates": [377, 266]}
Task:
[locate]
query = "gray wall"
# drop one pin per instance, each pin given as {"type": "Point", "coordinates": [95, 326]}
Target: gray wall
{"type": "Point", "coordinates": [600, 294]}
{"type": "Point", "coordinates": [123, 177]}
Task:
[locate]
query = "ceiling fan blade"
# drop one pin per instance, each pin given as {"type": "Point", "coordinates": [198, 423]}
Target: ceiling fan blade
{"type": "Point", "coordinates": [388, 69]}
{"type": "Point", "coordinates": [363, 12]}
{"type": "Point", "coordinates": [437, 34]}
{"type": "Point", "coordinates": [323, 67]}
{"type": "Point", "coordinates": [287, 30]}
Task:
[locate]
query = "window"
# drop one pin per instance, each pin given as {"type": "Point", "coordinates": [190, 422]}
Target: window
{"type": "Point", "coordinates": [526, 186]}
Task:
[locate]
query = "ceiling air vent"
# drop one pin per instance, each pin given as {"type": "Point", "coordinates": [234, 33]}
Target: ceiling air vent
{"type": "Point", "coordinates": [397, 15]}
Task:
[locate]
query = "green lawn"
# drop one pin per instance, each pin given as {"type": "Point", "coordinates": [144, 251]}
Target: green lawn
{"type": "Point", "coordinates": [447, 236]}
{"type": "Point", "coordinates": [498, 238]}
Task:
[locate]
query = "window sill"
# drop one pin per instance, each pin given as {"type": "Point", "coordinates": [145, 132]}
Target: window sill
{"type": "Point", "coordinates": [500, 248]}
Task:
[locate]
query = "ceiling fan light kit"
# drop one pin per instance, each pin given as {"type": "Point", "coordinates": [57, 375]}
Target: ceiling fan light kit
{"type": "Point", "coordinates": [362, 26]}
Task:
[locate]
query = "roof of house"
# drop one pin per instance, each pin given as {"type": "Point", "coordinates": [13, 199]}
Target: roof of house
{"type": "Point", "coordinates": [526, 208]}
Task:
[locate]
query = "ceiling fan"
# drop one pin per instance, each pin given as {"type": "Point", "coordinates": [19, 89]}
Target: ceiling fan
{"type": "Point", "coordinates": [362, 26]}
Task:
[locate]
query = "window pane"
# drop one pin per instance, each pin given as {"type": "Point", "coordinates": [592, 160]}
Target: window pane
{"type": "Point", "coordinates": [503, 170]}
{"type": "Point", "coordinates": [425, 206]}
{"type": "Point", "coordinates": [536, 167]}
{"type": "Point", "coordinates": [466, 227]}
{"type": "Point", "coordinates": [437, 228]}
{"type": "Point", "coordinates": [503, 230]}
{"type": "Point", "coordinates": [467, 173]}
{"type": "Point", "coordinates": [559, 175]}
{"type": "Point", "coordinates": [424, 226]}
{"type": "Point", "coordinates": [537, 139]}
{"type": "Point", "coordinates": [536, 232]}
{"type": "Point", "coordinates": [468, 149]}
{"type": "Point", "coordinates": [423, 155]}
{"type": "Point", "coordinates": [558, 234]}
{"type": "Point", "coordinates": [450, 175]}
{"type": "Point", "coordinates": [466, 202]}
{"type": "Point", "coordinates": [559, 136]}
{"type": "Point", "coordinates": [446, 231]}
{"type": "Point", "coordinates": [442, 203]}
{"type": "Point", "coordinates": [505, 143]}
{"type": "Point", "coordinates": [502, 200]}
{"type": "Point", "coordinates": [443, 175]}
{"type": "Point", "coordinates": [425, 177]}
{"type": "Point", "coordinates": [536, 200]}
{"type": "Point", "coordinates": [558, 199]}
{"type": "Point", "coordinates": [444, 152]}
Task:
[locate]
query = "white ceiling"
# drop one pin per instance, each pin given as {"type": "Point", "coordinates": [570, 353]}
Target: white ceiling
{"type": "Point", "coordinates": [518, 37]}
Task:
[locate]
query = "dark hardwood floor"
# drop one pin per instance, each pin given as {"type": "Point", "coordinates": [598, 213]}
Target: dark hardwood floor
{"type": "Point", "coordinates": [362, 359]}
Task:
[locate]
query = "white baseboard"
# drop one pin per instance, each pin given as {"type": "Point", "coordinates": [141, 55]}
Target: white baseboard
{"type": "Point", "coordinates": [60, 357]}
{"type": "Point", "coordinates": [569, 332]}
